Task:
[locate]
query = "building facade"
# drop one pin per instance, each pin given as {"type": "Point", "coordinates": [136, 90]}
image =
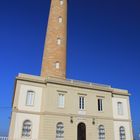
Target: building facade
{"type": "Point", "coordinates": [51, 107]}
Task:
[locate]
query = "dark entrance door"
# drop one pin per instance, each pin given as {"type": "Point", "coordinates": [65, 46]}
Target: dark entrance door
{"type": "Point", "coordinates": [81, 130]}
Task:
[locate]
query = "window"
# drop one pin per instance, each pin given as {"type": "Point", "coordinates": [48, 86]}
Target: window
{"type": "Point", "coordinates": [30, 98]}
{"type": "Point", "coordinates": [101, 132]}
{"type": "Point", "coordinates": [122, 133]}
{"type": "Point", "coordinates": [58, 41]}
{"type": "Point", "coordinates": [61, 2]}
{"type": "Point", "coordinates": [59, 131]}
{"type": "Point", "coordinates": [26, 129]}
{"type": "Point", "coordinates": [61, 100]}
{"type": "Point", "coordinates": [81, 102]}
{"type": "Point", "coordinates": [100, 104]}
{"type": "Point", "coordinates": [120, 108]}
{"type": "Point", "coordinates": [60, 19]}
{"type": "Point", "coordinates": [57, 65]}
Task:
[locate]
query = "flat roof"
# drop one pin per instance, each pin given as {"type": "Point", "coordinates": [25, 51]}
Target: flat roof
{"type": "Point", "coordinates": [71, 82]}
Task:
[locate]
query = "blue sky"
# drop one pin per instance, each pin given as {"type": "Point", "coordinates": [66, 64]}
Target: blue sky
{"type": "Point", "coordinates": [103, 46]}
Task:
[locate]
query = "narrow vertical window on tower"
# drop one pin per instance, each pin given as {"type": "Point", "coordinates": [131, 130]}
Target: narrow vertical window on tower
{"type": "Point", "coordinates": [81, 102]}
{"type": "Point", "coordinates": [58, 41]}
{"type": "Point", "coordinates": [60, 19]}
{"type": "Point", "coordinates": [100, 104]}
{"type": "Point", "coordinates": [57, 65]}
{"type": "Point", "coordinates": [30, 98]}
{"type": "Point", "coordinates": [61, 2]}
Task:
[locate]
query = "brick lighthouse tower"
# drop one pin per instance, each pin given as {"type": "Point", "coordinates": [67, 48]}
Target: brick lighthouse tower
{"type": "Point", "coordinates": [54, 58]}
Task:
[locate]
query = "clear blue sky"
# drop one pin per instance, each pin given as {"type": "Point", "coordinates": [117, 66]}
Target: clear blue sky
{"type": "Point", "coordinates": [103, 46]}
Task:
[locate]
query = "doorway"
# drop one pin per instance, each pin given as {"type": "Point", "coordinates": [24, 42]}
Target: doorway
{"type": "Point", "coordinates": [81, 131]}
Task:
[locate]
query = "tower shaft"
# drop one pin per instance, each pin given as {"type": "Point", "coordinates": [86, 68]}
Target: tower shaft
{"type": "Point", "coordinates": [54, 57]}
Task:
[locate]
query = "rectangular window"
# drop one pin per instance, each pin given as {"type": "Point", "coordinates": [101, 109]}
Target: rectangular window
{"type": "Point", "coordinates": [57, 65]}
{"type": "Point", "coordinates": [61, 2]}
{"type": "Point", "coordinates": [60, 19]}
{"type": "Point", "coordinates": [100, 104]}
{"type": "Point", "coordinates": [81, 102]}
{"type": "Point", "coordinates": [120, 108]}
{"type": "Point", "coordinates": [61, 100]}
{"type": "Point", "coordinates": [58, 41]}
{"type": "Point", "coordinates": [30, 98]}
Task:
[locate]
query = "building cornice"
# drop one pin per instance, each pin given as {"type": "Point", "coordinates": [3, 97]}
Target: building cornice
{"type": "Point", "coordinates": [70, 115]}
{"type": "Point", "coordinates": [72, 83]}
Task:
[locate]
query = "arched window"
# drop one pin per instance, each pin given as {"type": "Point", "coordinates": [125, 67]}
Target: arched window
{"type": "Point", "coordinates": [122, 133]}
{"type": "Point", "coordinates": [101, 132]}
{"type": "Point", "coordinates": [60, 131]}
{"type": "Point", "coordinates": [26, 129]}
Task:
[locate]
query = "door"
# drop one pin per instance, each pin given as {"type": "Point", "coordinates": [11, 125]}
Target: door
{"type": "Point", "coordinates": [81, 131]}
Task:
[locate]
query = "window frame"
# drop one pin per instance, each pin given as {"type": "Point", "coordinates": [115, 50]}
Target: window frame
{"type": "Point", "coordinates": [101, 132]}
{"type": "Point", "coordinates": [61, 100]}
{"type": "Point", "coordinates": [120, 108]}
{"type": "Point", "coordinates": [60, 19]}
{"type": "Point", "coordinates": [100, 104]}
{"type": "Point", "coordinates": [122, 133]}
{"type": "Point", "coordinates": [23, 125]}
{"type": "Point", "coordinates": [59, 41]}
{"type": "Point", "coordinates": [82, 102]}
{"type": "Point", "coordinates": [61, 2]}
{"type": "Point", "coordinates": [30, 98]}
{"type": "Point", "coordinates": [60, 135]}
{"type": "Point", "coordinates": [57, 65]}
